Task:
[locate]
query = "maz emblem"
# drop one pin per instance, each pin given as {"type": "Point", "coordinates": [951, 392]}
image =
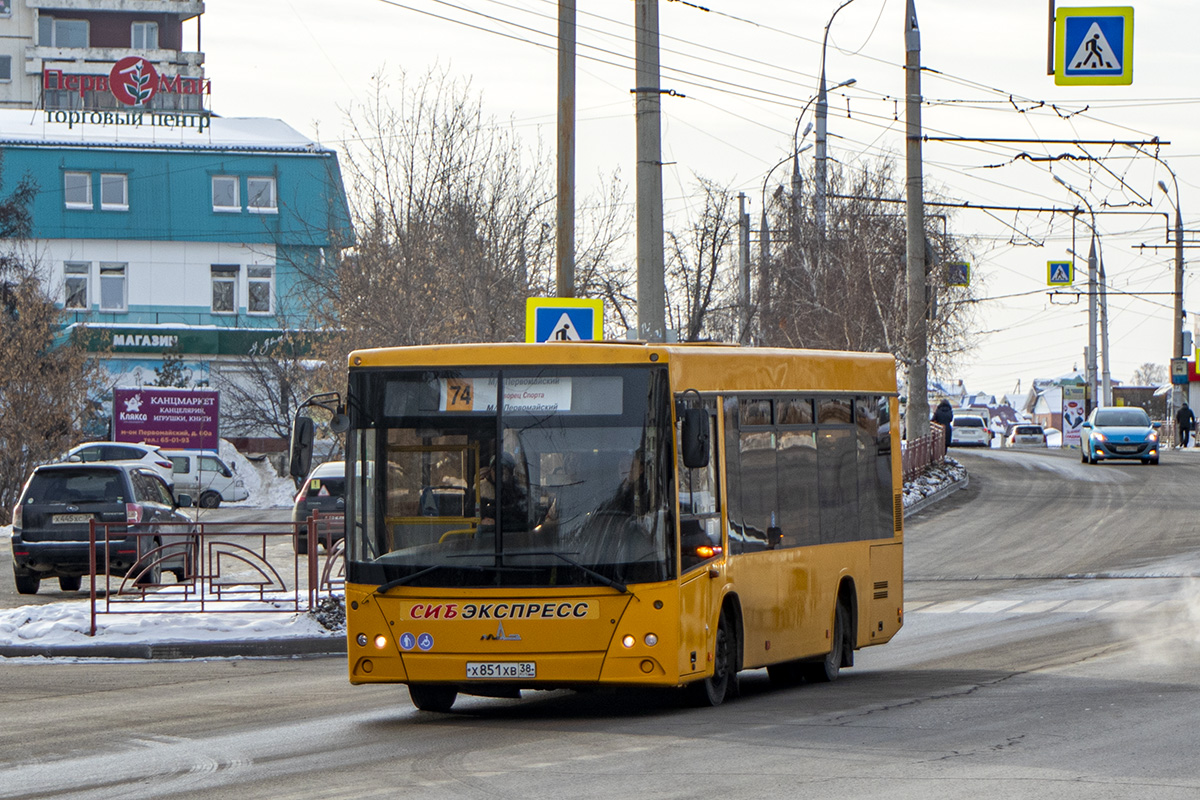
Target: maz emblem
{"type": "Point", "coordinates": [500, 636]}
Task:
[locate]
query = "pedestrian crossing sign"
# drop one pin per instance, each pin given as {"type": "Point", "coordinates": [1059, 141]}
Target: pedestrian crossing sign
{"type": "Point", "coordinates": [563, 319]}
{"type": "Point", "coordinates": [1093, 46]}
{"type": "Point", "coordinates": [958, 273]}
{"type": "Point", "coordinates": [1060, 273]}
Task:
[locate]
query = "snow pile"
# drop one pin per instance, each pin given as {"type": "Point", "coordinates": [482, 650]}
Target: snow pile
{"type": "Point", "coordinates": [59, 624]}
{"type": "Point", "coordinates": [267, 489]}
{"type": "Point", "coordinates": [935, 478]}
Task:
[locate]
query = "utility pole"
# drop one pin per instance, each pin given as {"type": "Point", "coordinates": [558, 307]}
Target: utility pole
{"type": "Point", "coordinates": [917, 416]}
{"type": "Point", "coordinates": [1091, 355]}
{"type": "Point", "coordinates": [1105, 379]}
{"type": "Point", "coordinates": [821, 113]}
{"type": "Point", "coordinates": [651, 286]}
{"type": "Point", "coordinates": [743, 271]}
{"type": "Point", "coordinates": [564, 239]}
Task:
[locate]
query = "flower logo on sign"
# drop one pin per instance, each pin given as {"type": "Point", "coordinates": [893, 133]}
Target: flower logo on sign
{"type": "Point", "coordinates": [133, 81]}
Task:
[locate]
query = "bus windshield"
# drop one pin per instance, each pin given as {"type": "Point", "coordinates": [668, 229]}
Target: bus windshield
{"type": "Point", "coordinates": [516, 477]}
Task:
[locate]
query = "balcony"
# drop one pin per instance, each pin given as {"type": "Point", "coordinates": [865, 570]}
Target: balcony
{"type": "Point", "coordinates": [186, 63]}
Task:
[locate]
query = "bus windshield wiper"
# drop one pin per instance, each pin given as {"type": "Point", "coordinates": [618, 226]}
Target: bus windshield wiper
{"type": "Point", "coordinates": [591, 573]}
{"type": "Point", "coordinates": [410, 578]}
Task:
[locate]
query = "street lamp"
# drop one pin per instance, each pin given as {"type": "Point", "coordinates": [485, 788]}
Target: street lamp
{"type": "Point", "coordinates": [821, 113]}
{"type": "Point", "coordinates": [1095, 253]}
{"type": "Point", "coordinates": [1177, 343]}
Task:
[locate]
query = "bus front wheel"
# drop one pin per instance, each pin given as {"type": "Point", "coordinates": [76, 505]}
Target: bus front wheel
{"type": "Point", "coordinates": [432, 697]}
{"type": "Point", "coordinates": [714, 690]}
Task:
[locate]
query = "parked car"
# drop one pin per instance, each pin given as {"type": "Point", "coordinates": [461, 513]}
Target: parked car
{"type": "Point", "coordinates": [206, 477]}
{"type": "Point", "coordinates": [1119, 432]}
{"type": "Point", "coordinates": [51, 519]}
{"type": "Point", "coordinates": [1026, 435]}
{"type": "Point", "coordinates": [970, 430]}
{"type": "Point", "coordinates": [147, 454]}
{"type": "Point", "coordinates": [324, 490]}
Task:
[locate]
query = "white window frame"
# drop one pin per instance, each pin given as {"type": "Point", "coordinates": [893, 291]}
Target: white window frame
{"type": "Point", "coordinates": [74, 271]}
{"type": "Point", "coordinates": [260, 274]}
{"type": "Point", "coordinates": [272, 205]}
{"type": "Point", "coordinates": [90, 204]}
{"type": "Point", "coordinates": [106, 179]}
{"type": "Point", "coordinates": [222, 275]}
{"type": "Point", "coordinates": [113, 269]}
{"type": "Point", "coordinates": [237, 197]}
{"type": "Point", "coordinates": [143, 27]}
{"type": "Point", "coordinates": [54, 23]}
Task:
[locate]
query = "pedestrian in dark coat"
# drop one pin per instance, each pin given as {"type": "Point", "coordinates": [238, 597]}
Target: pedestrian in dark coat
{"type": "Point", "coordinates": [1186, 420]}
{"type": "Point", "coordinates": [944, 415]}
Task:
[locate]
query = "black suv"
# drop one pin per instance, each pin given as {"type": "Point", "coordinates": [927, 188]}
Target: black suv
{"type": "Point", "coordinates": [50, 524]}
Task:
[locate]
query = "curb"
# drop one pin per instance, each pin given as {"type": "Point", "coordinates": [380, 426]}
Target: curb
{"type": "Point", "coordinates": [263, 648]}
{"type": "Point", "coordinates": [940, 494]}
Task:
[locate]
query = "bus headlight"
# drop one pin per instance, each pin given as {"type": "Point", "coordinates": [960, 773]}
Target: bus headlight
{"type": "Point", "coordinates": [628, 641]}
{"type": "Point", "coordinates": [381, 641]}
{"type": "Point", "coordinates": [651, 639]}
{"type": "Point", "coordinates": [361, 639]}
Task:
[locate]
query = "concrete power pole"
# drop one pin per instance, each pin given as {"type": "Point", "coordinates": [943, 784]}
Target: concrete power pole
{"type": "Point", "coordinates": [917, 417]}
{"type": "Point", "coordinates": [1093, 395]}
{"type": "Point", "coordinates": [565, 231]}
{"type": "Point", "coordinates": [651, 282]}
{"type": "Point", "coordinates": [743, 271]}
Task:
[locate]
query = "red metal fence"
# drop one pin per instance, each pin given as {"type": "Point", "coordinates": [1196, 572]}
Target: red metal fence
{"type": "Point", "coordinates": [242, 567]}
{"type": "Point", "coordinates": [918, 454]}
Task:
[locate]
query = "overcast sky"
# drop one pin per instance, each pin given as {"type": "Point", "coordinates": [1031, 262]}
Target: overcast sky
{"type": "Point", "coordinates": [748, 68]}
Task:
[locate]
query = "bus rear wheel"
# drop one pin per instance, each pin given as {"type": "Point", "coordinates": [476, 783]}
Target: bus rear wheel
{"type": "Point", "coordinates": [432, 697]}
{"type": "Point", "coordinates": [826, 670]}
{"type": "Point", "coordinates": [714, 690]}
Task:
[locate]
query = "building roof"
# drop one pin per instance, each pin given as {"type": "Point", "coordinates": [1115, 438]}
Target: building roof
{"type": "Point", "coordinates": [158, 130]}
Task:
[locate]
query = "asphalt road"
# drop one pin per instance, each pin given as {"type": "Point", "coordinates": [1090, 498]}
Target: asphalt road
{"type": "Point", "coordinates": [1049, 651]}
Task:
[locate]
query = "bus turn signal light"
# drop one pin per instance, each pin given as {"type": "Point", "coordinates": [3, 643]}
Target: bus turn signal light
{"type": "Point", "coordinates": [708, 551]}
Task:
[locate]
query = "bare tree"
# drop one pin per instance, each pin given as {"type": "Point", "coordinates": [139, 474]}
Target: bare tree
{"type": "Point", "coordinates": [454, 225]}
{"type": "Point", "coordinates": [260, 397]}
{"type": "Point", "coordinates": [844, 288]}
{"type": "Point", "coordinates": [46, 377]}
{"type": "Point", "coordinates": [701, 282]}
{"type": "Point", "coordinates": [1149, 374]}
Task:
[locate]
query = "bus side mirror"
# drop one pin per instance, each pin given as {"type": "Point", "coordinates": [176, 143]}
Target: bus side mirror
{"type": "Point", "coordinates": [302, 447]}
{"type": "Point", "coordinates": [695, 438]}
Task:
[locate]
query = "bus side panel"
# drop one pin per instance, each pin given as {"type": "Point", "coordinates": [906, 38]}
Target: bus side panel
{"type": "Point", "coordinates": [756, 578]}
{"type": "Point", "coordinates": [885, 614]}
{"type": "Point", "coordinates": [695, 634]}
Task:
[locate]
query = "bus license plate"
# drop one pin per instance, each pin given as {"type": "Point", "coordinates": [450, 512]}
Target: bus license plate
{"type": "Point", "coordinates": [69, 519]}
{"type": "Point", "coordinates": [502, 670]}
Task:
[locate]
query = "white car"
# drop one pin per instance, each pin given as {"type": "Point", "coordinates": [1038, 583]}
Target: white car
{"type": "Point", "coordinates": [203, 475]}
{"type": "Point", "coordinates": [147, 454]}
{"type": "Point", "coordinates": [1026, 435]}
{"type": "Point", "coordinates": [970, 431]}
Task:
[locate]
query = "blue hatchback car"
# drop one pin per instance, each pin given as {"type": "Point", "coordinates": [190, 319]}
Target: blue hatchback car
{"type": "Point", "coordinates": [1119, 432]}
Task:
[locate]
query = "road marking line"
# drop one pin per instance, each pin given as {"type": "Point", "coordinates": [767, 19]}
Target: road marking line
{"type": "Point", "coordinates": [950, 606]}
{"type": "Point", "coordinates": [992, 606]}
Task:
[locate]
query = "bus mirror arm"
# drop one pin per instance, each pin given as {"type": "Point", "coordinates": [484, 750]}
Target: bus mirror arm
{"type": "Point", "coordinates": [300, 458]}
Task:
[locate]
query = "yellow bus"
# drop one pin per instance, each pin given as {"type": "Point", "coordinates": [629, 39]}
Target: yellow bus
{"type": "Point", "coordinates": [574, 515]}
